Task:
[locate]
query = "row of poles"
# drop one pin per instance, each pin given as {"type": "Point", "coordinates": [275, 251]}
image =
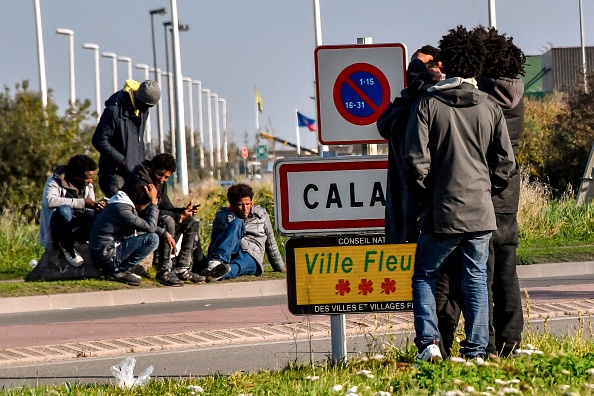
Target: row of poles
{"type": "Point", "coordinates": [175, 96]}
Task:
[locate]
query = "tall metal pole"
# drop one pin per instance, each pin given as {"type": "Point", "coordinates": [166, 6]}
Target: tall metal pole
{"type": "Point", "coordinates": [318, 36]}
{"type": "Point", "coordinates": [157, 74]}
{"type": "Point", "coordinates": [160, 114]}
{"type": "Point", "coordinates": [114, 59]}
{"type": "Point", "coordinates": [95, 48]}
{"type": "Point", "coordinates": [582, 40]}
{"type": "Point", "coordinates": [70, 34]}
{"type": "Point", "coordinates": [210, 142]}
{"type": "Point", "coordinates": [215, 97]}
{"type": "Point", "coordinates": [223, 103]}
{"type": "Point", "coordinates": [492, 14]}
{"type": "Point", "coordinates": [191, 112]}
{"type": "Point", "coordinates": [182, 163]}
{"type": "Point", "coordinates": [169, 76]}
{"type": "Point", "coordinates": [148, 132]}
{"type": "Point", "coordinates": [200, 126]}
{"type": "Point", "coordinates": [40, 55]}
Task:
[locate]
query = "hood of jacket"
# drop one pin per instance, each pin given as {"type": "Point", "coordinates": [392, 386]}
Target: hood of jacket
{"type": "Point", "coordinates": [125, 97]}
{"type": "Point", "coordinates": [121, 197]}
{"type": "Point", "coordinates": [506, 92]}
{"type": "Point", "coordinates": [60, 177]}
{"type": "Point", "coordinates": [458, 92]}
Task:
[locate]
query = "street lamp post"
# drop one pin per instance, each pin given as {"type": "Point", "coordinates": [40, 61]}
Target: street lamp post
{"type": "Point", "coordinates": [223, 103]}
{"type": "Point", "coordinates": [209, 115]}
{"type": "Point", "coordinates": [160, 112]}
{"type": "Point", "coordinates": [191, 111]}
{"type": "Point", "coordinates": [157, 74]}
{"type": "Point", "coordinates": [492, 14]}
{"type": "Point", "coordinates": [40, 55]}
{"type": "Point", "coordinates": [114, 58]}
{"type": "Point", "coordinates": [158, 11]}
{"type": "Point", "coordinates": [128, 60]}
{"type": "Point", "coordinates": [95, 48]}
{"type": "Point", "coordinates": [148, 135]}
{"type": "Point", "coordinates": [200, 125]}
{"type": "Point", "coordinates": [70, 34]}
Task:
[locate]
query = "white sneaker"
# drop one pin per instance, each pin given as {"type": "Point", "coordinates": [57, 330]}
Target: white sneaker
{"type": "Point", "coordinates": [73, 257]}
{"type": "Point", "coordinates": [213, 263]}
{"type": "Point", "coordinates": [430, 354]}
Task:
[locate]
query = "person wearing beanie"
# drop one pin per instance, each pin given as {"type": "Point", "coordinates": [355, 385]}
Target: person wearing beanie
{"type": "Point", "coordinates": [119, 136]}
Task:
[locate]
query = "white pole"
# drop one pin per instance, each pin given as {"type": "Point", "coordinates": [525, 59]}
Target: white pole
{"type": "Point", "coordinates": [95, 48]}
{"type": "Point", "coordinates": [492, 14]}
{"type": "Point", "coordinates": [210, 142]}
{"type": "Point", "coordinates": [200, 126]}
{"type": "Point", "coordinates": [215, 97]}
{"type": "Point", "coordinates": [114, 59]}
{"type": "Point", "coordinates": [191, 112]}
{"type": "Point", "coordinates": [40, 55]}
{"type": "Point", "coordinates": [171, 116]}
{"type": "Point", "coordinates": [584, 63]}
{"type": "Point", "coordinates": [70, 34]}
{"type": "Point", "coordinates": [225, 136]}
{"type": "Point", "coordinates": [148, 132]}
{"type": "Point", "coordinates": [160, 112]}
{"type": "Point", "coordinates": [128, 60]}
{"type": "Point", "coordinates": [297, 137]}
{"type": "Point", "coordinates": [318, 35]}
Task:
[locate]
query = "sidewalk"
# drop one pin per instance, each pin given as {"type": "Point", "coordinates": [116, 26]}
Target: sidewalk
{"type": "Point", "coordinates": [224, 290]}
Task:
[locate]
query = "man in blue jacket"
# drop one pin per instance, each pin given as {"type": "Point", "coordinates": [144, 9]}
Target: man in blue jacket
{"type": "Point", "coordinates": [119, 136]}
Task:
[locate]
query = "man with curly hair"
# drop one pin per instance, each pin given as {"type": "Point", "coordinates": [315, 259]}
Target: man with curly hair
{"type": "Point", "coordinates": [499, 78]}
{"type": "Point", "coordinates": [458, 155]}
{"type": "Point", "coordinates": [241, 234]}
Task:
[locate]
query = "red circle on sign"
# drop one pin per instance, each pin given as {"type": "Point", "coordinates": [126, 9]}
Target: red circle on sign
{"type": "Point", "coordinates": [244, 152]}
{"type": "Point", "coordinates": [345, 78]}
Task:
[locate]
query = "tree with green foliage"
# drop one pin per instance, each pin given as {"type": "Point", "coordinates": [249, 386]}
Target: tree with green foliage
{"type": "Point", "coordinates": [33, 143]}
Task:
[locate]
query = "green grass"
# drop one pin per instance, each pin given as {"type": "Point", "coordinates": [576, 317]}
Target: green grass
{"type": "Point", "coordinates": [557, 366]}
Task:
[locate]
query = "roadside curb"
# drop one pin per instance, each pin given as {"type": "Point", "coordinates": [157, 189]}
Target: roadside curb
{"type": "Point", "coordinates": [223, 290]}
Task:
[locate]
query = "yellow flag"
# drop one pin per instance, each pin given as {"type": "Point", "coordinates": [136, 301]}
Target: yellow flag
{"type": "Point", "coordinates": [259, 101]}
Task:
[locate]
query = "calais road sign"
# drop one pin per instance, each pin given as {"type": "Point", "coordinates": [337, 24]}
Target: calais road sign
{"type": "Point", "coordinates": [331, 195]}
{"type": "Point", "coordinates": [354, 85]}
{"type": "Point", "coordinates": [348, 274]}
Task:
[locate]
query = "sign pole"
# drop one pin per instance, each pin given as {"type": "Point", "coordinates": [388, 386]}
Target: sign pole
{"type": "Point", "coordinates": [338, 338]}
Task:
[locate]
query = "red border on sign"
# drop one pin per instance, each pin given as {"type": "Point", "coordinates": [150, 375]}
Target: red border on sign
{"type": "Point", "coordinates": [340, 47]}
{"type": "Point", "coordinates": [344, 78]}
{"type": "Point", "coordinates": [286, 168]}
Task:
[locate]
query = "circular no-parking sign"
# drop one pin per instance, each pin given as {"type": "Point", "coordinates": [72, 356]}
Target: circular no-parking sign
{"type": "Point", "coordinates": [361, 93]}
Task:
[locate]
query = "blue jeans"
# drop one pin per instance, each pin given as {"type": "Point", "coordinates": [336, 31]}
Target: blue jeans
{"type": "Point", "coordinates": [133, 250]}
{"type": "Point", "coordinates": [227, 248]}
{"type": "Point", "coordinates": [432, 252]}
{"type": "Point", "coordinates": [69, 226]}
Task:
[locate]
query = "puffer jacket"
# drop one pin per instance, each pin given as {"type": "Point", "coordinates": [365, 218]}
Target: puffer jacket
{"type": "Point", "coordinates": [119, 136]}
{"type": "Point", "coordinates": [117, 221]}
{"type": "Point", "coordinates": [508, 93]}
{"type": "Point", "coordinates": [459, 155]}
{"type": "Point", "coordinates": [259, 238]}
{"type": "Point", "coordinates": [57, 192]}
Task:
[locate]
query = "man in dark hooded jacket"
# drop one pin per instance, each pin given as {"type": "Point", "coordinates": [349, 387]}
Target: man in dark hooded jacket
{"type": "Point", "coordinates": [178, 222]}
{"type": "Point", "coordinates": [119, 136]}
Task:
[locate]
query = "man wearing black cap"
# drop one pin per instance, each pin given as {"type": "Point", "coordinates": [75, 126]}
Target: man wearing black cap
{"type": "Point", "coordinates": [119, 136]}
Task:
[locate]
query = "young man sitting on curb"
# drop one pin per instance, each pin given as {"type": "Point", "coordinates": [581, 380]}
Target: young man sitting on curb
{"type": "Point", "coordinates": [120, 239]}
{"type": "Point", "coordinates": [241, 233]}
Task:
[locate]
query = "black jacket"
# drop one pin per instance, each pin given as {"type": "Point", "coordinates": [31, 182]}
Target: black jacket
{"type": "Point", "coordinates": [119, 136]}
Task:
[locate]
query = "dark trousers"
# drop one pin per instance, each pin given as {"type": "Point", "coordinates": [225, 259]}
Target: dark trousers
{"type": "Point", "coordinates": [69, 225]}
{"type": "Point", "coordinates": [110, 184]}
{"type": "Point", "coordinates": [506, 319]}
{"type": "Point", "coordinates": [190, 229]}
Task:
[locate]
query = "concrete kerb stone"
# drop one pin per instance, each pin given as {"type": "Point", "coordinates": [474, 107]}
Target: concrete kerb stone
{"type": "Point", "coordinates": [223, 290]}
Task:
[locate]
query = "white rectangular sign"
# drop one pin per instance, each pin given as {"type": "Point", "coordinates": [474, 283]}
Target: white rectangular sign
{"type": "Point", "coordinates": [328, 196]}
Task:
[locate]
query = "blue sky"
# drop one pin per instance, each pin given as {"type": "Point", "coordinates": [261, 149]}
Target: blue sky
{"type": "Point", "coordinates": [233, 44]}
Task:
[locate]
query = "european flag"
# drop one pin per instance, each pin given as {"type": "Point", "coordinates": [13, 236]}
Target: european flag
{"type": "Point", "coordinates": [303, 121]}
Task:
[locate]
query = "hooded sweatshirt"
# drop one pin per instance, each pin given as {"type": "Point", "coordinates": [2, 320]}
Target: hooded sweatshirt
{"type": "Point", "coordinates": [57, 192]}
{"type": "Point", "coordinates": [119, 136]}
{"type": "Point", "coordinates": [459, 152]}
{"type": "Point", "coordinates": [117, 221]}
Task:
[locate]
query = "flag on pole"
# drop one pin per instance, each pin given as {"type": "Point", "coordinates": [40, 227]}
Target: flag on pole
{"type": "Point", "coordinates": [304, 121]}
{"type": "Point", "coordinates": [259, 103]}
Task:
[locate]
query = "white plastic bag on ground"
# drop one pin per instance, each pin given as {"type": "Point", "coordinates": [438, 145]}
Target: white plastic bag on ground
{"type": "Point", "coordinates": [124, 374]}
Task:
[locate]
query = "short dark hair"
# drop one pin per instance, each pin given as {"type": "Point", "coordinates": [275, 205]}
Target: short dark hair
{"type": "Point", "coordinates": [238, 191]}
{"type": "Point", "coordinates": [504, 58]}
{"type": "Point", "coordinates": [462, 52]}
{"type": "Point", "coordinates": [138, 195]}
{"type": "Point", "coordinates": [79, 165]}
{"type": "Point", "coordinates": [164, 161]}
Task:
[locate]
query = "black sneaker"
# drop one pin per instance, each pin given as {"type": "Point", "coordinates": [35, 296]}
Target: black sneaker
{"type": "Point", "coordinates": [218, 272]}
{"type": "Point", "coordinates": [169, 279]}
{"type": "Point", "coordinates": [125, 277]}
{"type": "Point", "coordinates": [190, 276]}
